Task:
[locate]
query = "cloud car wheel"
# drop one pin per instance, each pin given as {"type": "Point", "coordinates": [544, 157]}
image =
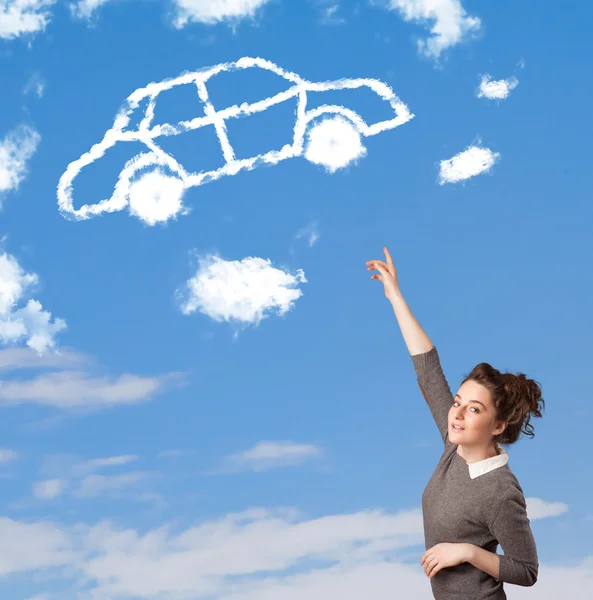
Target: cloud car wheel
{"type": "Point", "coordinates": [155, 194]}
{"type": "Point", "coordinates": [333, 142]}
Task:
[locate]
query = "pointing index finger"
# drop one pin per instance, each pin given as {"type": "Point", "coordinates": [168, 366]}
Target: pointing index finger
{"type": "Point", "coordinates": [389, 259]}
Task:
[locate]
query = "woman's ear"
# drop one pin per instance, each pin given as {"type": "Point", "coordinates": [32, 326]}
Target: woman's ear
{"type": "Point", "coordinates": [502, 425]}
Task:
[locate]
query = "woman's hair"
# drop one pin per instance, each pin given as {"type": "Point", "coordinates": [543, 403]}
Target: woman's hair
{"type": "Point", "coordinates": [516, 399]}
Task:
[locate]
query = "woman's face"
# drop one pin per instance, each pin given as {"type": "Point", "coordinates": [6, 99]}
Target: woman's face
{"type": "Point", "coordinates": [473, 411]}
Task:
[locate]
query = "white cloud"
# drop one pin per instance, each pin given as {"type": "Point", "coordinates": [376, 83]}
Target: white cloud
{"type": "Point", "coordinates": [35, 84]}
{"type": "Point", "coordinates": [257, 554]}
{"type": "Point", "coordinates": [311, 232]}
{"type": "Point", "coordinates": [243, 290]}
{"type": "Point", "coordinates": [449, 23]}
{"type": "Point", "coordinates": [30, 321]}
{"type": "Point", "coordinates": [157, 197]}
{"type": "Point", "coordinates": [84, 9]}
{"type": "Point", "coordinates": [81, 478]}
{"type": "Point", "coordinates": [20, 17]}
{"type": "Point", "coordinates": [269, 455]}
{"type": "Point", "coordinates": [26, 547]}
{"type": "Point", "coordinates": [540, 509]}
{"type": "Point", "coordinates": [26, 358]}
{"type": "Point", "coordinates": [496, 90]}
{"type": "Point", "coordinates": [49, 488]}
{"type": "Point", "coordinates": [72, 389]}
{"type": "Point", "coordinates": [215, 11]}
{"type": "Point", "coordinates": [466, 164]}
{"type": "Point", "coordinates": [334, 143]}
{"type": "Point", "coordinates": [94, 464]}
{"type": "Point", "coordinates": [95, 485]}
{"type": "Point", "coordinates": [7, 455]}
{"type": "Point", "coordinates": [16, 149]}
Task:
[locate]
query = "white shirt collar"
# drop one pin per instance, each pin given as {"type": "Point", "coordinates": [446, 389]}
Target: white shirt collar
{"type": "Point", "coordinates": [489, 464]}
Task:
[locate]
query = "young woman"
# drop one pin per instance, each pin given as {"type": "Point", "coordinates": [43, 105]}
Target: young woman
{"type": "Point", "coordinates": [473, 501]}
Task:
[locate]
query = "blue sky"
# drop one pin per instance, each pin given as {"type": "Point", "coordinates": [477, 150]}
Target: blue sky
{"type": "Point", "coordinates": [160, 440]}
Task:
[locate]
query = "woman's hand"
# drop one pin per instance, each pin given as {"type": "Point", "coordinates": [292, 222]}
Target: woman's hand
{"type": "Point", "coordinates": [386, 274]}
{"type": "Point", "coordinates": [444, 555]}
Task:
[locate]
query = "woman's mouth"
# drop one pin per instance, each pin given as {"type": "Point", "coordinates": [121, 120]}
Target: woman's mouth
{"type": "Point", "coordinates": [456, 427]}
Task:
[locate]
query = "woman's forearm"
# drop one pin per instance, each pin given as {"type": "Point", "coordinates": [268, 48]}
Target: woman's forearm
{"type": "Point", "coordinates": [489, 562]}
{"type": "Point", "coordinates": [415, 337]}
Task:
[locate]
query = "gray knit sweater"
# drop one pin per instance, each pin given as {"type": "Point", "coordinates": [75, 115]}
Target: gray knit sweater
{"type": "Point", "coordinates": [485, 511]}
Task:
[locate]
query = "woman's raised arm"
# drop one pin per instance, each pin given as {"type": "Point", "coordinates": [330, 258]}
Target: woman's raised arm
{"type": "Point", "coordinates": [431, 379]}
{"type": "Point", "coordinates": [414, 336]}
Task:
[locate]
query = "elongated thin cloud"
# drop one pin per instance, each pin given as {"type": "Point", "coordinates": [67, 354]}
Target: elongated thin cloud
{"type": "Point", "coordinates": [466, 164]}
{"type": "Point", "coordinates": [245, 291]}
{"type": "Point", "coordinates": [16, 149]}
{"type": "Point", "coordinates": [448, 22]}
{"type": "Point", "coordinates": [69, 390]}
{"type": "Point", "coordinates": [268, 455]}
{"type": "Point", "coordinates": [152, 183]}
{"type": "Point", "coordinates": [22, 17]}
{"type": "Point", "coordinates": [496, 90]}
{"type": "Point", "coordinates": [29, 322]}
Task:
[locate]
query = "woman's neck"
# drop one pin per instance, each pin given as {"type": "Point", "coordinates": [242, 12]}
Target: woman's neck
{"type": "Point", "coordinates": [471, 454]}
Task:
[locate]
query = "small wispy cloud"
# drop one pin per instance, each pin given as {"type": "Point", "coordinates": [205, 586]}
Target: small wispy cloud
{"type": "Point", "coordinates": [16, 149]}
{"type": "Point", "coordinates": [35, 85]}
{"type": "Point", "coordinates": [92, 486]}
{"type": "Point", "coordinates": [541, 509]}
{"type": "Point", "coordinates": [466, 164]}
{"type": "Point", "coordinates": [83, 478]}
{"type": "Point", "coordinates": [268, 455]}
{"type": "Point", "coordinates": [448, 22]}
{"type": "Point", "coordinates": [496, 90]}
{"type": "Point", "coordinates": [49, 489]}
{"type": "Point", "coordinates": [245, 291]}
{"type": "Point", "coordinates": [95, 464]}
{"type": "Point", "coordinates": [29, 322]}
{"type": "Point", "coordinates": [310, 232]}
{"type": "Point", "coordinates": [23, 17]}
{"type": "Point", "coordinates": [7, 456]}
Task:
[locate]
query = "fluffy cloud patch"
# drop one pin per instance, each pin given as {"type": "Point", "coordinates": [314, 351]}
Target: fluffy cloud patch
{"type": "Point", "coordinates": [334, 143]}
{"type": "Point", "coordinates": [245, 291]}
{"type": "Point", "coordinates": [29, 322]}
{"type": "Point", "coordinates": [20, 17]}
{"type": "Point", "coordinates": [449, 23]}
{"type": "Point", "coordinates": [157, 197]}
{"type": "Point", "coordinates": [216, 11]}
{"type": "Point", "coordinates": [471, 162]}
{"type": "Point", "coordinates": [257, 554]}
{"type": "Point", "coordinates": [16, 149]}
{"type": "Point", "coordinates": [496, 90]}
{"type": "Point", "coordinates": [270, 455]}
{"type": "Point", "coordinates": [540, 509]}
{"type": "Point", "coordinates": [85, 8]}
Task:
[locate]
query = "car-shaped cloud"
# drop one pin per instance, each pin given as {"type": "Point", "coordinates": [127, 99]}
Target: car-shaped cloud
{"type": "Point", "coordinates": [156, 159]}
